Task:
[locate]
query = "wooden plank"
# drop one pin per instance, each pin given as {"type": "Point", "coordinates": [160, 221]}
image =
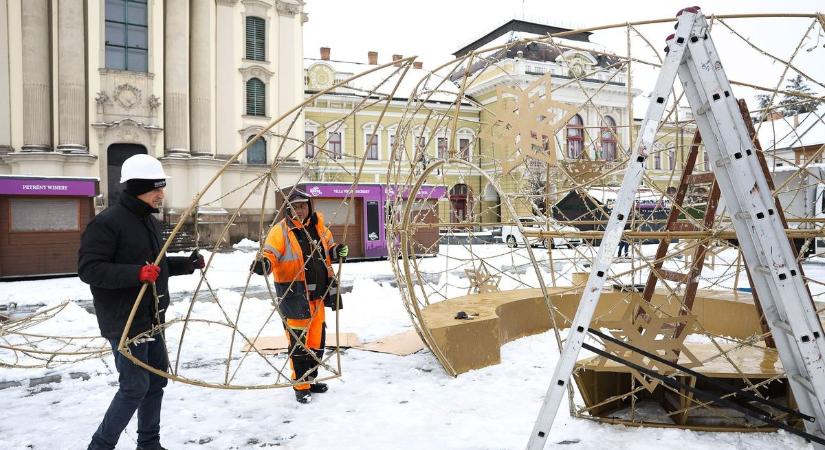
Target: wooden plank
{"type": "Point", "coordinates": [273, 345]}
{"type": "Point", "coordinates": [700, 178]}
{"type": "Point", "coordinates": [682, 226]}
{"type": "Point", "coordinates": [672, 276]}
{"type": "Point", "coordinates": [401, 344]}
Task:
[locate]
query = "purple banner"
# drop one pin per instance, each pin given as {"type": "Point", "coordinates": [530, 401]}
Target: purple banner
{"type": "Point", "coordinates": [369, 192]}
{"type": "Point", "coordinates": [48, 187]}
{"type": "Point", "coordinates": [431, 192]}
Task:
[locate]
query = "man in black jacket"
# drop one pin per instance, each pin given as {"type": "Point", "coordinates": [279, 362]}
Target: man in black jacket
{"type": "Point", "coordinates": [116, 257]}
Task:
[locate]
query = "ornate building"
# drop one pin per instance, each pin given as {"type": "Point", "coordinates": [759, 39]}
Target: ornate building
{"type": "Point", "coordinates": [86, 84]}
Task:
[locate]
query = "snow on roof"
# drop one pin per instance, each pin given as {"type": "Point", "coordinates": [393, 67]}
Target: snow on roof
{"type": "Point", "coordinates": [605, 194]}
{"type": "Point", "coordinates": [383, 81]}
{"type": "Point", "coordinates": [792, 132]}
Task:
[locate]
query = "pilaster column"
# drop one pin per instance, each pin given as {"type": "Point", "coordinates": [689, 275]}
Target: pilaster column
{"type": "Point", "coordinates": [176, 77]}
{"type": "Point", "coordinates": [200, 77]}
{"type": "Point", "coordinates": [37, 116]}
{"type": "Point", "coordinates": [226, 76]}
{"type": "Point", "coordinates": [5, 90]}
{"type": "Point", "coordinates": [71, 77]}
{"type": "Point", "coordinates": [290, 63]}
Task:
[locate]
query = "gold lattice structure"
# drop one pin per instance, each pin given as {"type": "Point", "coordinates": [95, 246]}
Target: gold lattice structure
{"type": "Point", "coordinates": [529, 170]}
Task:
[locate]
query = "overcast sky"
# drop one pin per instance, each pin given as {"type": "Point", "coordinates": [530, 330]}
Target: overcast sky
{"type": "Point", "coordinates": [434, 29]}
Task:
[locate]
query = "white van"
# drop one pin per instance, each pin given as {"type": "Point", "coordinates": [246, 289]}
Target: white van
{"type": "Point", "coordinates": [511, 235]}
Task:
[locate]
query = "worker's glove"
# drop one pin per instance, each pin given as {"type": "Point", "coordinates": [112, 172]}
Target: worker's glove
{"type": "Point", "coordinates": [340, 252]}
{"type": "Point", "coordinates": [197, 261]}
{"type": "Point", "coordinates": [149, 273]}
{"type": "Point", "coordinates": [261, 266]}
{"type": "Point", "coordinates": [333, 299]}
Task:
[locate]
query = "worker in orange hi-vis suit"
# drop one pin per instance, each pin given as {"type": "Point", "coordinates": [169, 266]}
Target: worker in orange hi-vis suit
{"type": "Point", "coordinates": [299, 253]}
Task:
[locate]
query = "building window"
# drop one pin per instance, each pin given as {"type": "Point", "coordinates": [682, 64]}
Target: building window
{"type": "Point", "coordinates": [255, 97]}
{"type": "Point", "coordinates": [334, 145]}
{"type": "Point", "coordinates": [398, 147]}
{"type": "Point", "coordinates": [442, 148]}
{"type": "Point", "coordinates": [127, 35]}
{"type": "Point", "coordinates": [575, 137]}
{"type": "Point", "coordinates": [309, 144]}
{"type": "Point", "coordinates": [657, 159]}
{"type": "Point", "coordinates": [464, 149]}
{"type": "Point", "coordinates": [255, 38]}
{"type": "Point", "coordinates": [609, 139]}
{"type": "Point", "coordinates": [671, 158]}
{"type": "Point", "coordinates": [256, 153]}
{"type": "Point", "coordinates": [421, 149]}
{"type": "Point", "coordinates": [371, 146]}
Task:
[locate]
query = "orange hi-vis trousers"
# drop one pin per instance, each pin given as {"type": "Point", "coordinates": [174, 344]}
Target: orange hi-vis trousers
{"type": "Point", "coordinates": [312, 333]}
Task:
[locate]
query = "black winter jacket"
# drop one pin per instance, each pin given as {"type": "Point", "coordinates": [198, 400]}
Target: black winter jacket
{"type": "Point", "coordinates": [113, 248]}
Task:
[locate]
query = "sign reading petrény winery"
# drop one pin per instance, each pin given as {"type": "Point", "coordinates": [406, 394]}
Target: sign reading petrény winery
{"type": "Point", "coordinates": [48, 186]}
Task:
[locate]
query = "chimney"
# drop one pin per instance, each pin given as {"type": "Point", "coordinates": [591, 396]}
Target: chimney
{"type": "Point", "coordinates": [418, 65]}
{"type": "Point", "coordinates": [397, 58]}
{"type": "Point", "coordinates": [796, 120]}
{"type": "Point", "coordinates": [775, 115]}
{"type": "Point", "coordinates": [372, 58]}
{"type": "Point", "coordinates": [325, 53]}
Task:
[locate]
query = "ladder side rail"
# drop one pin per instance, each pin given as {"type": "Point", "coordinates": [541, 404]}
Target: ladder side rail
{"type": "Point", "coordinates": [763, 242]}
{"type": "Point", "coordinates": [766, 224]}
{"type": "Point", "coordinates": [613, 233]}
{"type": "Point", "coordinates": [788, 352]}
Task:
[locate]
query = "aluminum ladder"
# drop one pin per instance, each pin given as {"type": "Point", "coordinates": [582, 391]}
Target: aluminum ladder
{"type": "Point", "coordinates": [786, 302]}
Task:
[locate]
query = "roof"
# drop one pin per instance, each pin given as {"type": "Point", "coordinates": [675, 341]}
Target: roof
{"type": "Point", "coordinates": [383, 81]}
{"type": "Point", "coordinates": [789, 132]}
{"type": "Point", "coordinates": [520, 25]}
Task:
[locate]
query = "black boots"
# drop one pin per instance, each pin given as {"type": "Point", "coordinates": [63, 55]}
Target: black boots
{"type": "Point", "coordinates": [318, 388]}
{"type": "Point", "coordinates": [303, 396]}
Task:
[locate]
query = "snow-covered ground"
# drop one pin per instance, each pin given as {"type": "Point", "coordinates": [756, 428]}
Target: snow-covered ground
{"type": "Point", "coordinates": [381, 401]}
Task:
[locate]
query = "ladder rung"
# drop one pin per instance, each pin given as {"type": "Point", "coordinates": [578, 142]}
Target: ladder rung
{"type": "Point", "coordinates": [804, 382]}
{"type": "Point", "coordinates": [700, 178]}
{"type": "Point", "coordinates": [782, 326]}
{"type": "Point", "coordinates": [682, 226]}
{"type": "Point", "coordinates": [673, 276]}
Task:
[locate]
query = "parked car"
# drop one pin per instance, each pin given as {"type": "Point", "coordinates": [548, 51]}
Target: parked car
{"type": "Point", "coordinates": [511, 235]}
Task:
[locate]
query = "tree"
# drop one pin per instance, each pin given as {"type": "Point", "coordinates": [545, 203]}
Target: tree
{"type": "Point", "coordinates": [765, 106]}
{"type": "Point", "coordinates": [797, 100]}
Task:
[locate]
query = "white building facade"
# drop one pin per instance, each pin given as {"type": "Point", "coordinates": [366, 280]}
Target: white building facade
{"type": "Point", "coordinates": [86, 84]}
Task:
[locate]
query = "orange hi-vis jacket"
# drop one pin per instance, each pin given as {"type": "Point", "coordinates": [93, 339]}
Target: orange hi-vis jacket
{"type": "Point", "coordinates": [288, 265]}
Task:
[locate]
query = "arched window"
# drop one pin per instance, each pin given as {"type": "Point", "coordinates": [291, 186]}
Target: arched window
{"type": "Point", "coordinates": [461, 198]}
{"type": "Point", "coordinates": [671, 158]}
{"type": "Point", "coordinates": [255, 97]}
{"type": "Point", "coordinates": [609, 139]}
{"type": "Point", "coordinates": [657, 159]}
{"type": "Point", "coordinates": [255, 38]}
{"type": "Point", "coordinates": [256, 153]}
{"type": "Point", "coordinates": [575, 137]}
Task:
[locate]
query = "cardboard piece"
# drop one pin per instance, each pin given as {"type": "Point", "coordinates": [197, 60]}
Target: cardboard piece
{"type": "Point", "coordinates": [401, 344]}
{"type": "Point", "coordinates": [273, 345]}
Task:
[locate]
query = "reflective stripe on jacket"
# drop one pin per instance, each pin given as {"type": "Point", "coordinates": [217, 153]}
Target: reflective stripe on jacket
{"type": "Point", "coordinates": [288, 265]}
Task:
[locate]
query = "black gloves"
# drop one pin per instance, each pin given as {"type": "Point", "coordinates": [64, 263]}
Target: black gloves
{"type": "Point", "coordinates": [261, 266]}
{"type": "Point", "coordinates": [196, 260]}
{"type": "Point", "coordinates": [332, 299]}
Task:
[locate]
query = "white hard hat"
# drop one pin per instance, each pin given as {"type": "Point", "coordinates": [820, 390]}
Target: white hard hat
{"type": "Point", "coordinates": [142, 167]}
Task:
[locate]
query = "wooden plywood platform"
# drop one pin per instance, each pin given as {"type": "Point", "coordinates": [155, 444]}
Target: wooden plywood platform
{"type": "Point", "coordinates": [500, 317]}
